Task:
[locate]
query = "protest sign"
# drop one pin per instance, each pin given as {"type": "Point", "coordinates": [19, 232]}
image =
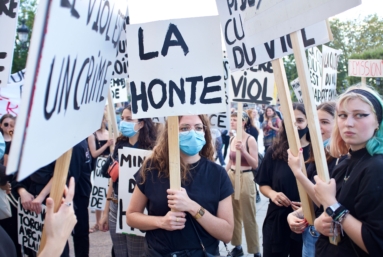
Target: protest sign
{"type": "Point", "coordinates": [131, 160]}
{"type": "Point", "coordinates": [365, 68]}
{"type": "Point", "coordinates": [121, 62]}
{"type": "Point", "coordinates": [222, 120]}
{"type": "Point", "coordinates": [10, 97]}
{"type": "Point", "coordinates": [30, 226]}
{"type": "Point", "coordinates": [242, 50]}
{"type": "Point", "coordinates": [297, 89]}
{"type": "Point", "coordinates": [119, 90]}
{"type": "Point", "coordinates": [159, 120]}
{"type": "Point", "coordinates": [99, 187]}
{"type": "Point", "coordinates": [8, 23]}
{"type": "Point", "coordinates": [176, 67]}
{"type": "Point", "coordinates": [17, 77]}
{"type": "Point", "coordinates": [314, 59]}
{"type": "Point", "coordinates": [70, 65]}
{"type": "Point", "coordinates": [253, 85]}
{"type": "Point", "coordinates": [330, 70]}
{"type": "Point", "coordinates": [272, 19]}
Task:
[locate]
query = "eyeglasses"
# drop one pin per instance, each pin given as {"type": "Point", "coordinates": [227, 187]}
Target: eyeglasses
{"type": "Point", "coordinates": [200, 128]}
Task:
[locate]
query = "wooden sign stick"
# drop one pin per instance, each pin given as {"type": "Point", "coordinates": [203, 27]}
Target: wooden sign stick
{"type": "Point", "coordinates": [363, 81]}
{"type": "Point", "coordinates": [112, 116]}
{"type": "Point", "coordinates": [292, 132]}
{"type": "Point", "coordinates": [311, 112]}
{"type": "Point", "coordinates": [237, 185]}
{"type": "Point", "coordinates": [60, 176]}
{"type": "Point", "coordinates": [174, 153]}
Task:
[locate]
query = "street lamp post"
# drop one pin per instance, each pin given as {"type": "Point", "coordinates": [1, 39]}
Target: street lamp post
{"type": "Point", "coordinates": [23, 33]}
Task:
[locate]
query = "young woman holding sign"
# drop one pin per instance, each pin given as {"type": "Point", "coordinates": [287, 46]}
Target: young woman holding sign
{"type": "Point", "coordinates": [99, 144]}
{"type": "Point", "coordinates": [136, 133]}
{"type": "Point", "coordinates": [278, 183]}
{"type": "Point", "coordinates": [353, 198]}
{"type": "Point", "coordinates": [244, 208]}
{"type": "Point", "coordinates": [326, 115]}
{"type": "Point", "coordinates": [203, 204]}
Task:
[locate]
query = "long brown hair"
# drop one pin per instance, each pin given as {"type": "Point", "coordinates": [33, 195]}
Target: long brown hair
{"type": "Point", "coordinates": [159, 159]}
{"type": "Point", "coordinates": [147, 134]}
{"type": "Point", "coordinates": [280, 145]}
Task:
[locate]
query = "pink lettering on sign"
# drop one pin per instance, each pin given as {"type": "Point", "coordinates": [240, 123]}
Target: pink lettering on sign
{"type": "Point", "coordinates": [365, 68]}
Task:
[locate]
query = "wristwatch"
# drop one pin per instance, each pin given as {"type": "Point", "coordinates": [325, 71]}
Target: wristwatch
{"type": "Point", "coordinates": [200, 213]}
{"type": "Point", "coordinates": [331, 209]}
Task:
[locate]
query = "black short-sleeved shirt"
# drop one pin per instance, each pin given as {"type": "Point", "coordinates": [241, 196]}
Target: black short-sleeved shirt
{"type": "Point", "coordinates": [7, 147]}
{"type": "Point", "coordinates": [362, 195]}
{"type": "Point", "coordinates": [80, 169]}
{"type": "Point", "coordinates": [119, 145]}
{"type": "Point", "coordinates": [208, 185]}
{"type": "Point", "coordinates": [278, 175]}
{"type": "Point", "coordinates": [311, 172]}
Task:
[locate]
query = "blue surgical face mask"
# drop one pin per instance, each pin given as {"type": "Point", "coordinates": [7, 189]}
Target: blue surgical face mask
{"type": "Point", "coordinates": [326, 142]}
{"type": "Point", "coordinates": [2, 145]}
{"type": "Point", "coordinates": [127, 128]}
{"type": "Point", "coordinates": [191, 142]}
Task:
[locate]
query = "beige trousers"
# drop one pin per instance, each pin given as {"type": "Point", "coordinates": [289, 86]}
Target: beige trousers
{"type": "Point", "coordinates": [244, 212]}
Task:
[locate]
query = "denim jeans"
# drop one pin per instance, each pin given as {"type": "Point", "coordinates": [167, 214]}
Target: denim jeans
{"type": "Point", "coordinates": [310, 237]}
{"type": "Point", "coordinates": [218, 148]}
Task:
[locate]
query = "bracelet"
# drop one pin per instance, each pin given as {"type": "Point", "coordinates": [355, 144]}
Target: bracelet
{"type": "Point", "coordinates": [341, 216]}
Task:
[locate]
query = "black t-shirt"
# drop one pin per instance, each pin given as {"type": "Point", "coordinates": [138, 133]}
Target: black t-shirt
{"type": "Point", "coordinates": [362, 195]}
{"type": "Point", "coordinates": [119, 145]}
{"type": "Point", "coordinates": [208, 185]}
{"type": "Point", "coordinates": [311, 172]}
{"type": "Point", "coordinates": [278, 175]}
{"type": "Point", "coordinates": [7, 147]}
{"type": "Point", "coordinates": [80, 169]}
{"type": "Point", "coordinates": [252, 131]}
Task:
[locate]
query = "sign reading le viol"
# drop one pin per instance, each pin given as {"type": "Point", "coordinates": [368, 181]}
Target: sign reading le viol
{"type": "Point", "coordinates": [176, 67]}
{"type": "Point", "coordinates": [70, 66]}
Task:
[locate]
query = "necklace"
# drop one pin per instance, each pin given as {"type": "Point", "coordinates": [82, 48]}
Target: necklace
{"type": "Point", "coordinates": [346, 177]}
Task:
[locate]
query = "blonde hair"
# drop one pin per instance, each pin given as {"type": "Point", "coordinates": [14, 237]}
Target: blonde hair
{"type": "Point", "coordinates": [338, 146]}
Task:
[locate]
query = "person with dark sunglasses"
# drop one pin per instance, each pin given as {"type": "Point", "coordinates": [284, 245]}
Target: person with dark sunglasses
{"type": "Point", "coordinates": [7, 124]}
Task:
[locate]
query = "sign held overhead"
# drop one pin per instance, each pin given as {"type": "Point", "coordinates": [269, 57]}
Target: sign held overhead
{"type": "Point", "coordinates": [176, 67]}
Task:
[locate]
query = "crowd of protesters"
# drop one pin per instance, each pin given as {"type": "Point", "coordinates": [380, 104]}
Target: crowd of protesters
{"type": "Point", "coordinates": [192, 221]}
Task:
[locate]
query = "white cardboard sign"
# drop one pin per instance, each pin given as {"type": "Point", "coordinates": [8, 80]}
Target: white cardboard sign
{"type": "Point", "coordinates": [365, 68]}
{"type": "Point", "coordinates": [330, 70]}
{"type": "Point", "coordinates": [242, 49]}
{"type": "Point", "coordinates": [17, 77]}
{"type": "Point", "coordinates": [222, 120]}
{"type": "Point", "coordinates": [97, 199]}
{"type": "Point", "coordinates": [272, 19]}
{"type": "Point", "coordinates": [297, 89]}
{"type": "Point", "coordinates": [70, 65]}
{"type": "Point", "coordinates": [8, 23]}
{"type": "Point", "coordinates": [121, 62]}
{"type": "Point", "coordinates": [316, 72]}
{"type": "Point", "coordinates": [119, 90]}
{"type": "Point", "coordinates": [30, 227]}
{"type": "Point", "coordinates": [131, 160]}
{"type": "Point", "coordinates": [254, 85]}
{"type": "Point", "coordinates": [10, 97]}
{"type": "Point", "coordinates": [176, 67]}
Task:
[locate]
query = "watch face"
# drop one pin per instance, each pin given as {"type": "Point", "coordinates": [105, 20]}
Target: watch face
{"type": "Point", "coordinates": [329, 211]}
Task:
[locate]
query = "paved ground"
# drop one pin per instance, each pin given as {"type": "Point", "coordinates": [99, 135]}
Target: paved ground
{"type": "Point", "coordinates": [101, 244]}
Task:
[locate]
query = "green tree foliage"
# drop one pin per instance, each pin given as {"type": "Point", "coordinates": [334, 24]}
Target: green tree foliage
{"type": "Point", "coordinates": [355, 38]}
{"type": "Point", "coordinates": [27, 12]}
